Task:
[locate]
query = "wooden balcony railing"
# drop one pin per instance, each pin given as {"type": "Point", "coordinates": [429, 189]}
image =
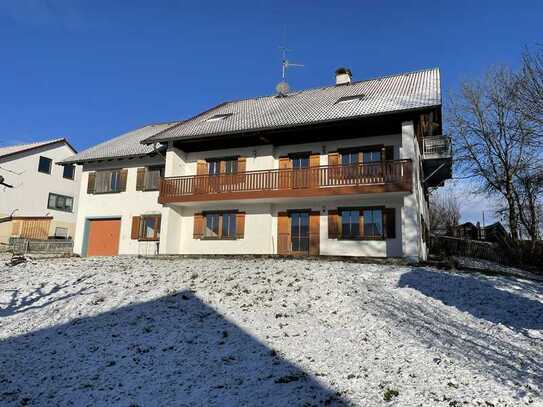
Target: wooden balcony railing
{"type": "Point", "coordinates": [385, 176]}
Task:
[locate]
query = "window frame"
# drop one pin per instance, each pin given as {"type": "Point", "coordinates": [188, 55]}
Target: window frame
{"type": "Point", "coordinates": [118, 175]}
{"type": "Point", "coordinates": [156, 228]}
{"type": "Point", "coordinates": [147, 177]}
{"type": "Point", "coordinates": [218, 164]}
{"type": "Point", "coordinates": [72, 166]}
{"type": "Point", "coordinates": [220, 226]}
{"type": "Point", "coordinates": [359, 151]}
{"type": "Point", "coordinates": [50, 162]}
{"type": "Point", "coordinates": [57, 196]}
{"type": "Point", "coordinates": [362, 223]}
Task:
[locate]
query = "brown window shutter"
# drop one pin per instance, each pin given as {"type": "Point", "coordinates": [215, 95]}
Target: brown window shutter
{"type": "Point", "coordinates": [157, 226]}
{"type": "Point", "coordinates": [314, 160]}
{"type": "Point", "coordinates": [91, 182]}
{"type": "Point", "coordinates": [333, 159]}
{"type": "Point", "coordinates": [242, 164]}
{"type": "Point", "coordinates": [135, 233]}
{"type": "Point", "coordinates": [140, 179]}
{"type": "Point", "coordinates": [283, 233]}
{"type": "Point", "coordinates": [222, 167]}
{"type": "Point", "coordinates": [240, 225]}
{"type": "Point", "coordinates": [198, 226]}
{"type": "Point", "coordinates": [124, 175]}
{"type": "Point", "coordinates": [314, 233]}
{"type": "Point", "coordinates": [389, 215]}
{"type": "Point", "coordinates": [333, 227]}
{"type": "Point", "coordinates": [284, 176]}
{"type": "Point", "coordinates": [201, 167]}
{"type": "Point", "coordinates": [389, 153]}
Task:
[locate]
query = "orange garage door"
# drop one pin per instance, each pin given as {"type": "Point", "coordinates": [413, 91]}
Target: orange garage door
{"type": "Point", "coordinates": [103, 237]}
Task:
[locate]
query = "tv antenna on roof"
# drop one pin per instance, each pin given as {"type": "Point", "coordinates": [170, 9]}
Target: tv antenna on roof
{"type": "Point", "coordinates": [283, 87]}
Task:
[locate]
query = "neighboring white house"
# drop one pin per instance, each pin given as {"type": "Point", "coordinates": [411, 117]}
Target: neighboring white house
{"type": "Point", "coordinates": [42, 202]}
{"type": "Point", "coordinates": [342, 170]}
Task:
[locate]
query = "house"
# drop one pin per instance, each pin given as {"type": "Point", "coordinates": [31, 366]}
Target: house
{"type": "Point", "coordinates": [41, 202]}
{"type": "Point", "coordinates": [340, 170]}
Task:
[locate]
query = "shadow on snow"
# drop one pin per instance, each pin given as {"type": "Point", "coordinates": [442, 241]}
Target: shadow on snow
{"type": "Point", "coordinates": [175, 350]}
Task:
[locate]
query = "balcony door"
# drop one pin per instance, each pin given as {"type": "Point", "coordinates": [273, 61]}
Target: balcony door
{"type": "Point", "coordinates": [300, 172]}
{"type": "Point", "coordinates": [298, 233]}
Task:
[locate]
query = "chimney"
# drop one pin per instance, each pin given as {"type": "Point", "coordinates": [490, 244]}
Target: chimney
{"type": "Point", "coordinates": [343, 76]}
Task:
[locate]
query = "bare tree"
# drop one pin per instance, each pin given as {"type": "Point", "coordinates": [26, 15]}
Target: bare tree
{"type": "Point", "coordinates": [493, 140]}
{"type": "Point", "coordinates": [444, 212]}
{"type": "Point", "coordinates": [528, 190]}
{"type": "Point", "coordinates": [530, 85]}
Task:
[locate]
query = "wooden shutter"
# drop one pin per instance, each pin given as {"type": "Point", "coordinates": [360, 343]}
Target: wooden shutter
{"type": "Point", "coordinates": [333, 160]}
{"type": "Point", "coordinates": [242, 164]}
{"type": "Point", "coordinates": [135, 232]}
{"type": "Point", "coordinates": [140, 179]}
{"type": "Point", "coordinates": [314, 160]}
{"type": "Point", "coordinates": [91, 182]}
{"type": "Point", "coordinates": [314, 233]}
{"type": "Point", "coordinates": [283, 233]}
{"type": "Point", "coordinates": [201, 167]}
{"type": "Point", "coordinates": [198, 231]}
{"type": "Point", "coordinates": [389, 219]}
{"type": "Point", "coordinates": [240, 225]}
{"type": "Point", "coordinates": [389, 153]}
{"type": "Point", "coordinates": [284, 176]}
{"type": "Point", "coordinates": [333, 227]}
{"type": "Point", "coordinates": [242, 168]}
{"type": "Point", "coordinates": [222, 166]}
{"type": "Point", "coordinates": [157, 226]}
{"type": "Point", "coordinates": [122, 185]}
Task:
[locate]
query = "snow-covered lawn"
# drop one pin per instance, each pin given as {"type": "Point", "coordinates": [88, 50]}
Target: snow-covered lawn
{"type": "Point", "coordinates": [199, 332]}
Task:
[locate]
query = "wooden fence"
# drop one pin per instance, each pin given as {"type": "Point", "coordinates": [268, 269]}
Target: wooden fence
{"type": "Point", "coordinates": [453, 246]}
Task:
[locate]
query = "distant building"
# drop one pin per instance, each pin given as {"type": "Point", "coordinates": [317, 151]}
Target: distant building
{"type": "Point", "coordinates": [42, 202]}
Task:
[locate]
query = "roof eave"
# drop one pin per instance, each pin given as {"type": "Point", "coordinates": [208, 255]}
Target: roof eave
{"type": "Point", "coordinates": [152, 139]}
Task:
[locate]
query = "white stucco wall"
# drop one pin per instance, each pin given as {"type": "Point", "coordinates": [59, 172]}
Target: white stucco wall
{"type": "Point", "coordinates": [30, 193]}
{"type": "Point", "coordinates": [123, 205]}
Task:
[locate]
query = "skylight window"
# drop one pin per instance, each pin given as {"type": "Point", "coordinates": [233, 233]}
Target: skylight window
{"type": "Point", "coordinates": [218, 117]}
{"type": "Point", "coordinates": [350, 99]}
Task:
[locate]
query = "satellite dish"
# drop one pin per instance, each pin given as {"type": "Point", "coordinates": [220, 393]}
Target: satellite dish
{"type": "Point", "coordinates": [282, 88]}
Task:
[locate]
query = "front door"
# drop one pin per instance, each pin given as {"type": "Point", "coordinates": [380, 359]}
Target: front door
{"type": "Point", "coordinates": [103, 237]}
{"type": "Point", "coordinates": [298, 232]}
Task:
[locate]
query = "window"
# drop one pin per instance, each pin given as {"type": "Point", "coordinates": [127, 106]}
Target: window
{"type": "Point", "coordinates": [229, 225]}
{"type": "Point", "coordinates": [373, 222]}
{"type": "Point", "coordinates": [152, 178]}
{"type": "Point", "coordinates": [361, 223]}
{"type": "Point", "coordinates": [350, 99]}
{"type": "Point", "coordinates": [222, 166]}
{"type": "Point", "coordinates": [371, 156]}
{"type": "Point", "coordinates": [60, 202]}
{"type": "Point", "coordinates": [220, 225]}
{"type": "Point", "coordinates": [214, 167]}
{"type": "Point", "coordinates": [218, 117]}
{"type": "Point", "coordinates": [350, 226]}
{"type": "Point", "coordinates": [108, 181]}
{"type": "Point", "coordinates": [68, 172]}
{"type": "Point", "coordinates": [349, 158]}
{"type": "Point", "coordinates": [300, 162]}
{"type": "Point", "coordinates": [231, 166]}
{"type": "Point", "coordinates": [149, 227]}
{"type": "Point", "coordinates": [45, 165]}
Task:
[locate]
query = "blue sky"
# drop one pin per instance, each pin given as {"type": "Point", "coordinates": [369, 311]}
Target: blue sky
{"type": "Point", "coordinates": [92, 69]}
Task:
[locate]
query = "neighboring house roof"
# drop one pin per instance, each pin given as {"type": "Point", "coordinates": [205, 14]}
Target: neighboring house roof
{"type": "Point", "coordinates": [408, 91]}
{"type": "Point", "coordinates": [125, 145]}
{"type": "Point", "coordinates": [20, 148]}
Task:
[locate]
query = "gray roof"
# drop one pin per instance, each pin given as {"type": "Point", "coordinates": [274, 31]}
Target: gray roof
{"type": "Point", "coordinates": [19, 148]}
{"type": "Point", "coordinates": [125, 145]}
{"type": "Point", "coordinates": [408, 91]}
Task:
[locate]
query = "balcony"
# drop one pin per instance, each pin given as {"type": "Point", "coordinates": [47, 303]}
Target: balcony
{"type": "Point", "coordinates": [437, 160]}
{"type": "Point", "coordinates": [436, 147]}
{"type": "Point", "coordinates": [386, 176]}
